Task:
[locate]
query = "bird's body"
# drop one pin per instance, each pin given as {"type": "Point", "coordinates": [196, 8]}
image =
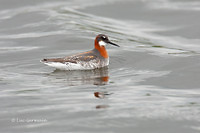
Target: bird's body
{"type": "Point", "coordinates": [83, 61]}
{"type": "Point", "coordinates": [96, 58]}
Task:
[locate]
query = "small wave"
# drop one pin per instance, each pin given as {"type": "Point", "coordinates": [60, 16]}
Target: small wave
{"type": "Point", "coordinates": [130, 76]}
{"type": "Point", "coordinates": [31, 35]}
{"type": "Point", "coordinates": [16, 49]}
{"type": "Point", "coordinates": [174, 5]}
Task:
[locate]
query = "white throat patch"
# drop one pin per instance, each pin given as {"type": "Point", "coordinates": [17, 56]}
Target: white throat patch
{"type": "Point", "coordinates": [102, 43]}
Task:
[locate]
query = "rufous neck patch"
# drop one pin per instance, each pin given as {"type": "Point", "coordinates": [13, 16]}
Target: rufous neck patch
{"type": "Point", "coordinates": [101, 49]}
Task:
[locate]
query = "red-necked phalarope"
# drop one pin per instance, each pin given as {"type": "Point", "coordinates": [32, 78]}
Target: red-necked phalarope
{"type": "Point", "coordinates": [96, 58]}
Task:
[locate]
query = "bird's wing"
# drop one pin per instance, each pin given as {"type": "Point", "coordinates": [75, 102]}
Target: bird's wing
{"type": "Point", "coordinates": [82, 57]}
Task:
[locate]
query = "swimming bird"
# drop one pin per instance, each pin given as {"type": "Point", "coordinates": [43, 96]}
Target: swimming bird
{"type": "Point", "coordinates": [96, 58]}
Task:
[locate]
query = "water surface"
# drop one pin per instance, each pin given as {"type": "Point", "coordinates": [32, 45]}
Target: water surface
{"type": "Point", "coordinates": [151, 84]}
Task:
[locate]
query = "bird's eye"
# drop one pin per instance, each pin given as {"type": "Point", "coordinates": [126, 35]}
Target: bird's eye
{"type": "Point", "coordinates": [103, 37]}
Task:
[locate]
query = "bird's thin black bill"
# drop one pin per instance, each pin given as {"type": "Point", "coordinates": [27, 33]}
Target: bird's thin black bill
{"type": "Point", "coordinates": [113, 44]}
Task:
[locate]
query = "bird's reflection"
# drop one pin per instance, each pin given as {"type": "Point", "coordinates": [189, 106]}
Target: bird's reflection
{"type": "Point", "coordinates": [97, 77]}
{"type": "Point", "coordinates": [74, 78]}
{"type": "Point", "coordinates": [101, 95]}
{"type": "Point", "coordinates": [102, 106]}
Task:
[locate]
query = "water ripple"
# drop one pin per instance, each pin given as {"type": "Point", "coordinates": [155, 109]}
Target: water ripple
{"type": "Point", "coordinates": [130, 33]}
